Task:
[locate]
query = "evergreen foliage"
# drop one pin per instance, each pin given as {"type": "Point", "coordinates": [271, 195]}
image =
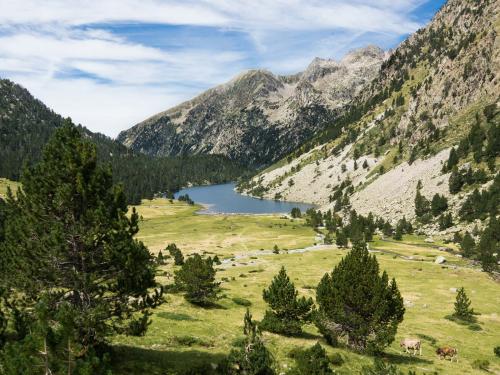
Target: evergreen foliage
{"type": "Point", "coordinates": [489, 243]}
{"type": "Point", "coordinates": [422, 205]}
{"type": "Point", "coordinates": [296, 213]}
{"type": "Point", "coordinates": [439, 204]}
{"type": "Point", "coordinates": [252, 356]}
{"type": "Point", "coordinates": [358, 303]}
{"type": "Point", "coordinates": [468, 245]}
{"type": "Point", "coordinates": [197, 279]}
{"type": "Point", "coordinates": [312, 361]}
{"type": "Point", "coordinates": [70, 260]}
{"type": "Point", "coordinates": [463, 311]}
{"type": "Point", "coordinates": [287, 311]}
{"type": "Point", "coordinates": [479, 205]}
{"type": "Point", "coordinates": [175, 253]}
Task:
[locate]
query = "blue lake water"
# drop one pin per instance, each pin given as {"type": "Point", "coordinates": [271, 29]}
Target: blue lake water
{"type": "Point", "coordinates": [222, 199]}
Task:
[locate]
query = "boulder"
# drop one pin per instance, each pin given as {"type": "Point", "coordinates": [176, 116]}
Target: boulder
{"type": "Point", "coordinates": [440, 260]}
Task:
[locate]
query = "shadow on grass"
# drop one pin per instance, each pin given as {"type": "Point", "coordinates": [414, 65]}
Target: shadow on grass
{"type": "Point", "coordinates": [128, 360]}
{"type": "Point", "coordinates": [406, 359]}
{"type": "Point", "coordinates": [175, 316]}
{"type": "Point", "coordinates": [471, 323]}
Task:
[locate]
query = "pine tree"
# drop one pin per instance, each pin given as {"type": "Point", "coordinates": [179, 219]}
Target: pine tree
{"type": "Point", "coordinates": [341, 239]}
{"type": "Point", "coordinates": [488, 246]}
{"type": "Point", "coordinates": [69, 245]}
{"type": "Point", "coordinates": [439, 204]}
{"type": "Point", "coordinates": [197, 278]}
{"type": "Point", "coordinates": [398, 234]}
{"type": "Point", "coordinates": [252, 357]}
{"type": "Point", "coordinates": [468, 245]}
{"type": "Point", "coordinates": [358, 303]}
{"type": "Point", "coordinates": [463, 310]}
{"type": "Point", "coordinates": [456, 181]}
{"type": "Point", "coordinates": [312, 361]}
{"type": "Point", "coordinates": [452, 160]}
{"type": "Point", "coordinates": [160, 259]}
{"type": "Point", "coordinates": [421, 205]}
{"type": "Point", "coordinates": [287, 311]}
{"type": "Point", "coordinates": [445, 221]}
{"type": "Point", "coordinates": [176, 253]}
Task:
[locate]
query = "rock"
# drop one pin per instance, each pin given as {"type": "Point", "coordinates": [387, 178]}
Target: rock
{"type": "Point", "coordinates": [408, 303]}
{"type": "Point", "coordinates": [440, 260]}
{"type": "Point", "coordinates": [442, 248]}
{"type": "Point", "coordinates": [429, 240]}
{"type": "Point", "coordinates": [454, 290]}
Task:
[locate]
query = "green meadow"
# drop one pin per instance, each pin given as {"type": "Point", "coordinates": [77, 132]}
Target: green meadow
{"type": "Point", "coordinates": [184, 338]}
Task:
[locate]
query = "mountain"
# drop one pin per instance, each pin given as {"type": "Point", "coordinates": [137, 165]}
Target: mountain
{"type": "Point", "coordinates": [437, 91]}
{"type": "Point", "coordinates": [258, 116]}
{"type": "Point", "coordinates": [26, 124]}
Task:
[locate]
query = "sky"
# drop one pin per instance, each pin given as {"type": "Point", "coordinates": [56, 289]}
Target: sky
{"type": "Point", "coordinates": [109, 64]}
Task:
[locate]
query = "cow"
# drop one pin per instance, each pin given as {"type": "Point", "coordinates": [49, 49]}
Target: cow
{"type": "Point", "coordinates": [411, 344]}
{"type": "Point", "coordinates": [447, 351]}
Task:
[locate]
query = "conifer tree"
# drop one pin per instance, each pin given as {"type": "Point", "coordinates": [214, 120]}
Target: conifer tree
{"type": "Point", "coordinates": [69, 246]}
{"type": "Point", "coordinates": [488, 246]}
{"type": "Point", "coordinates": [439, 204]}
{"type": "Point", "coordinates": [341, 239]}
{"type": "Point", "coordinates": [197, 279]}
{"type": "Point", "coordinates": [398, 234]}
{"type": "Point", "coordinates": [312, 361]}
{"type": "Point", "coordinates": [252, 357]}
{"type": "Point", "coordinates": [463, 310]}
{"type": "Point", "coordinates": [359, 304]}
{"type": "Point", "coordinates": [176, 253]}
{"type": "Point", "coordinates": [421, 205]}
{"type": "Point", "coordinates": [287, 311]}
{"type": "Point", "coordinates": [468, 245]}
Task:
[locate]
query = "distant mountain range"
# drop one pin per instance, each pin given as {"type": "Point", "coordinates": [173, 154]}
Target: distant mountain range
{"type": "Point", "coordinates": [258, 116]}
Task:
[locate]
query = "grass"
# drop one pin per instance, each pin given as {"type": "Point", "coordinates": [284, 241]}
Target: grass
{"type": "Point", "coordinates": [4, 184]}
{"type": "Point", "coordinates": [183, 337]}
{"type": "Point", "coordinates": [226, 235]}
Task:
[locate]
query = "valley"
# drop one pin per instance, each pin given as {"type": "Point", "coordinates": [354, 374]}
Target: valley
{"type": "Point", "coordinates": [181, 330]}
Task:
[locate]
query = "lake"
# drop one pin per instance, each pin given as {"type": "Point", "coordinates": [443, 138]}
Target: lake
{"type": "Point", "coordinates": [223, 199]}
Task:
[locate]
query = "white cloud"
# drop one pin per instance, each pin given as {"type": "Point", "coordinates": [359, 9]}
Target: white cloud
{"type": "Point", "coordinates": [68, 55]}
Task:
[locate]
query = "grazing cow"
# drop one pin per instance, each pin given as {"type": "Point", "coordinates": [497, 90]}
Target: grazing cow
{"type": "Point", "coordinates": [411, 344]}
{"type": "Point", "coordinates": [447, 351]}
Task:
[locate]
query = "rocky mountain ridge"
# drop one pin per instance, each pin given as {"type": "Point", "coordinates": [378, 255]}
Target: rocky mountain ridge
{"type": "Point", "coordinates": [258, 116]}
{"type": "Point", "coordinates": [431, 92]}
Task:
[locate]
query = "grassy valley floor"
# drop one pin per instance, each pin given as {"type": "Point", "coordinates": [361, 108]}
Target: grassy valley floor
{"type": "Point", "coordinates": [183, 337]}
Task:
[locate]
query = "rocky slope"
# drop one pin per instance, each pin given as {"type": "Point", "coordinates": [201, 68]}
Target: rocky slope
{"type": "Point", "coordinates": [430, 92]}
{"type": "Point", "coordinates": [258, 117]}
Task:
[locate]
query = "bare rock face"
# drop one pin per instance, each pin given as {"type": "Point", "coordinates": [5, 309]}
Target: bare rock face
{"type": "Point", "coordinates": [425, 98]}
{"type": "Point", "coordinates": [258, 116]}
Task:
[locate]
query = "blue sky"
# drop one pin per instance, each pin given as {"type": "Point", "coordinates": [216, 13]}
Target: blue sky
{"type": "Point", "coordinates": [109, 64]}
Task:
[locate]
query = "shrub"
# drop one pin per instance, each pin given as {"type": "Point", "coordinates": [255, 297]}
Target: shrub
{"type": "Point", "coordinates": [312, 361]}
{"type": "Point", "coordinates": [336, 359]}
{"type": "Point", "coordinates": [481, 364]}
{"type": "Point", "coordinates": [496, 350]}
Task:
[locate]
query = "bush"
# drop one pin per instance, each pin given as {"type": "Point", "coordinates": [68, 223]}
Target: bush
{"type": "Point", "coordinates": [496, 350]}
{"type": "Point", "coordinates": [336, 359]}
{"type": "Point", "coordinates": [312, 361]}
{"type": "Point", "coordinates": [481, 364]}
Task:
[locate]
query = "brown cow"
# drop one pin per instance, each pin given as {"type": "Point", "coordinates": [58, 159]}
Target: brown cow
{"type": "Point", "coordinates": [447, 351]}
{"type": "Point", "coordinates": [411, 344]}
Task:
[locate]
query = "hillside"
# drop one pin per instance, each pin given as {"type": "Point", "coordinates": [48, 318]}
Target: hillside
{"type": "Point", "coordinates": [26, 124]}
{"type": "Point", "coordinates": [437, 90]}
{"type": "Point", "coordinates": [258, 116]}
